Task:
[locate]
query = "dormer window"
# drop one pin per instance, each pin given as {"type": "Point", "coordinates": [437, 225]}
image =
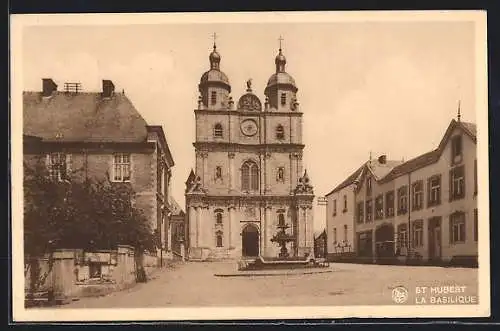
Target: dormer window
{"type": "Point", "coordinates": [218, 132]}
{"type": "Point", "coordinates": [213, 98]}
{"type": "Point", "coordinates": [283, 99]}
{"type": "Point", "coordinates": [280, 132]}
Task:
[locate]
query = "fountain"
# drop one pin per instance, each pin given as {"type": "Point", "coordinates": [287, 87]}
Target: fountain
{"type": "Point", "coordinates": [282, 238]}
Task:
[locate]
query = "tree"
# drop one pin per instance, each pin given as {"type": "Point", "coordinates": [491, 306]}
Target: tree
{"type": "Point", "coordinates": [85, 215]}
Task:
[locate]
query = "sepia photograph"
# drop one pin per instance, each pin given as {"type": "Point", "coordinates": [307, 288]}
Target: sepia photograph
{"type": "Point", "coordinates": [272, 165]}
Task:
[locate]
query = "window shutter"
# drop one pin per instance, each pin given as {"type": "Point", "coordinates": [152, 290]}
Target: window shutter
{"type": "Point", "coordinates": [428, 192]}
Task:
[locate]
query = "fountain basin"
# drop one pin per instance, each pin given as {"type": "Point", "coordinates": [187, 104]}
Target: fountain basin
{"type": "Point", "coordinates": [272, 263]}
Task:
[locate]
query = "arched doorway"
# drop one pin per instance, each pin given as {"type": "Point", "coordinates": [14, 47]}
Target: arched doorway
{"type": "Point", "coordinates": [384, 241]}
{"type": "Point", "coordinates": [250, 241]}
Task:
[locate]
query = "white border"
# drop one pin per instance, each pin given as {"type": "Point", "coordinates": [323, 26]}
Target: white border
{"type": "Point", "coordinates": [18, 22]}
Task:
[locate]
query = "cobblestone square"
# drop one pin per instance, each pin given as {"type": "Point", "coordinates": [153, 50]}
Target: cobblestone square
{"type": "Point", "coordinates": [195, 284]}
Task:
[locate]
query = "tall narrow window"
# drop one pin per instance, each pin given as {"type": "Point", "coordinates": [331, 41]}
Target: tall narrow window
{"type": "Point", "coordinates": [213, 97]}
{"type": "Point", "coordinates": [283, 99]}
{"type": "Point", "coordinates": [249, 176]}
{"type": "Point", "coordinates": [369, 210]}
{"type": "Point", "coordinates": [434, 190]}
{"type": "Point", "coordinates": [369, 186]}
{"type": "Point", "coordinates": [418, 233]}
{"type": "Point", "coordinates": [417, 195]}
{"type": "Point", "coordinates": [218, 216]}
{"type": "Point", "coordinates": [360, 212]}
{"type": "Point", "coordinates": [457, 183]}
{"type": "Point", "coordinates": [345, 232]}
{"type": "Point", "coordinates": [456, 149]}
{"type": "Point", "coordinates": [219, 241]}
{"type": "Point", "coordinates": [334, 207]}
{"type": "Point", "coordinates": [345, 204]}
{"type": "Point", "coordinates": [218, 132]}
{"type": "Point", "coordinates": [402, 200]}
{"type": "Point", "coordinates": [457, 228]}
{"type": "Point", "coordinates": [334, 235]}
{"type": "Point", "coordinates": [121, 167]}
{"type": "Point", "coordinates": [402, 236]}
{"type": "Point", "coordinates": [280, 132]}
{"type": "Point", "coordinates": [389, 204]}
{"type": "Point", "coordinates": [379, 207]}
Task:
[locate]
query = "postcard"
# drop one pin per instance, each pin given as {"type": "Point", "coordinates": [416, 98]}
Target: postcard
{"type": "Point", "coordinates": [273, 165]}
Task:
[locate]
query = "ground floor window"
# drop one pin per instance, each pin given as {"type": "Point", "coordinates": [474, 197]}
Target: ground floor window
{"type": "Point", "coordinates": [457, 228]}
{"type": "Point", "coordinates": [402, 242]}
{"type": "Point", "coordinates": [219, 238]}
{"type": "Point", "coordinates": [418, 233]}
{"type": "Point", "coordinates": [95, 270]}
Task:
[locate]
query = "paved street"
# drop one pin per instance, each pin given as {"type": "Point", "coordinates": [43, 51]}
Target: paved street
{"type": "Point", "coordinates": [194, 284]}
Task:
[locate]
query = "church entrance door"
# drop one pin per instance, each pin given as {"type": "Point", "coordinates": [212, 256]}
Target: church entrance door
{"type": "Point", "coordinates": [250, 241]}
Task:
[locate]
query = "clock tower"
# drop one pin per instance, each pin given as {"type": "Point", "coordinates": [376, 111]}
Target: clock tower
{"type": "Point", "coordinates": [248, 175]}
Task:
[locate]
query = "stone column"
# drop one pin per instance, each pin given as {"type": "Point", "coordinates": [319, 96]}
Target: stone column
{"type": "Point", "coordinates": [232, 175]}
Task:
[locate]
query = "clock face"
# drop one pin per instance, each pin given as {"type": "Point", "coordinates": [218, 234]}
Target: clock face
{"type": "Point", "coordinates": [249, 127]}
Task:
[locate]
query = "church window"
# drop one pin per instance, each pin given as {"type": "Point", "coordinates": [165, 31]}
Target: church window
{"type": "Point", "coordinates": [249, 176]}
{"type": "Point", "coordinates": [218, 132]}
{"type": "Point", "coordinates": [213, 98]}
{"type": "Point", "coordinates": [280, 132]}
{"type": "Point", "coordinates": [281, 175]}
{"type": "Point", "coordinates": [283, 99]}
{"type": "Point", "coordinates": [218, 216]}
{"type": "Point", "coordinates": [218, 238]}
{"type": "Point", "coordinates": [121, 167]}
{"type": "Point", "coordinates": [218, 172]}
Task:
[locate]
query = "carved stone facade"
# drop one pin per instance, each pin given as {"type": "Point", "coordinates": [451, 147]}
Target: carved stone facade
{"type": "Point", "coordinates": [248, 171]}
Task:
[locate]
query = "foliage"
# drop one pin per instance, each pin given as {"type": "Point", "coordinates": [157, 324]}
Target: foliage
{"type": "Point", "coordinates": [88, 215]}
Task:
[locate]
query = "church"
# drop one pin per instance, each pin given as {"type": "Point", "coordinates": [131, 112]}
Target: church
{"type": "Point", "coordinates": [248, 177]}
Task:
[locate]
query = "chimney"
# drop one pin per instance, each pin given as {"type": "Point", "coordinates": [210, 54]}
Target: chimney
{"type": "Point", "coordinates": [382, 159]}
{"type": "Point", "coordinates": [48, 86]}
{"type": "Point", "coordinates": [108, 88]}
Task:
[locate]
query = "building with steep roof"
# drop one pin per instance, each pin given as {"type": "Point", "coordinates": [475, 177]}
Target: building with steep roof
{"type": "Point", "coordinates": [248, 173]}
{"type": "Point", "coordinates": [99, 135]}
{"type": "Point", "coordinates": [423, 209]}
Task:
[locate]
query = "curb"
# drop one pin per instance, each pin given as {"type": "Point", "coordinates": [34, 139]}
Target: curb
{"type": "Point", "coordinates": [274, 274]}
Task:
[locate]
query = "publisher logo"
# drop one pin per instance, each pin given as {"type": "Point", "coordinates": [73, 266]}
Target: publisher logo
{"type": "Point", "coordinates": [399, 294]}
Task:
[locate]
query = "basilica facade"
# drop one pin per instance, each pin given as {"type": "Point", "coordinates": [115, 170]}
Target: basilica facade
{"type": "Point", "coordinates": [248, 176]}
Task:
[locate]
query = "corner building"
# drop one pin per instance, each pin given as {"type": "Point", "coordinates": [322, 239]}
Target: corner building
{"type": "Point", "coordinates": [248, 173]}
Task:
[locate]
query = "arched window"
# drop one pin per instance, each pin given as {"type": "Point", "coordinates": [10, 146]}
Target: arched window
{"type": "Point", "coordinates": [218, 239]}
{"type": "Point", "coordinates": [280, 132]}
{"type": "Point", "coordinates": [249, 176]}
{"type": "Point", "coordinates": [218, 216]}
{"type": "Point", "coordinates": [218, 132]}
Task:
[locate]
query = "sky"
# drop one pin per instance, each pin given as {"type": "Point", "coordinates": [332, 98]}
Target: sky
{"type": "Point", "coordinates": [364, 87]}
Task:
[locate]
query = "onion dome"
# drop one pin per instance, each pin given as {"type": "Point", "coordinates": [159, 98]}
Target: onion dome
{"type": "Point", "coordinates": [281, 77]}
{"type": "Point", "coordinates": [214, 76]}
